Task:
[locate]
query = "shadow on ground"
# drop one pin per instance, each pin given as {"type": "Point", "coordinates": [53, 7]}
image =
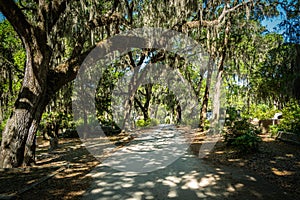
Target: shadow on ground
{"type": "Point", "coordinates": [187, 178]}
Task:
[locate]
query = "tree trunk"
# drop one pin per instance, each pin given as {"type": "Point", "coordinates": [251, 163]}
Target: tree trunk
{"type": "Point", "coordinates": [18, 137]}
{"type": "Point", "coordinates": [203, 110]}
{"type": "Point", "coordinates": [18, 140]}
{"type": "Point", "coordinates": [217, 101]}
{"type": "Point", "coordinates": [205, 98]}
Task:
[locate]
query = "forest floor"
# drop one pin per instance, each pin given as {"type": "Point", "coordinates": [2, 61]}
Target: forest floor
{"type": "Point", "coordinates": [62, 173]}
{"type": "Point", "coordinates": [278, 162]}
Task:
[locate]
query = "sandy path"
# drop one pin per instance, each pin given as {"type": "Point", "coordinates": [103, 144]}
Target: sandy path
{"type": "Point", "coordinates": [184, 176]}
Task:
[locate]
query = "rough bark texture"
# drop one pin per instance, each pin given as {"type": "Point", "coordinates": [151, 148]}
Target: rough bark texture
{"type": "Point", "coordinates": [18, 142]}
{"type": "Point", "coordinates": [19, 133]}
{"type": "Point", "coordinates": [18, 136]}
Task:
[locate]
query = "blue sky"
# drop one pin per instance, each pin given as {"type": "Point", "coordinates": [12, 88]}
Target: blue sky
{"type": "Point", "coordinates": [272, 23]}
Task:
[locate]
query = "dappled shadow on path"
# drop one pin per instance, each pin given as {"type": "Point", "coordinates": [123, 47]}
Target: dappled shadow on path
{"type": "Point", "coordinates": [187, 178]}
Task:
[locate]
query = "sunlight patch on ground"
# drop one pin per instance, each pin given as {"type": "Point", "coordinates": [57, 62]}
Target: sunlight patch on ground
{"type": "Point", "coordinates": [280, 158]}
{"type": "Point", "coordinates": [234, 160]}
{"type": "Point", "coordinates": [192, 184]}
{"type": "Point", "coordinates": [173, 179]}
{"type": "Point", "coordinates": [97, 190]}
{"type": "Point", "coordinates": [219, 152]}
{"type": "Point", "coordinates": [169, 183]}
{"type": "Point", "coordinates": [239, 185]}
{"type": "Point", "coordinates": [282, 173]}
{"type": "Point", "coordinates": [230, 188]}
{"type": "Point", "coordinates": [239, 161]}
{"type": "Point", "coordinates": [208, 181]}
{"type": "Point", "coordinates": [148, 184]}
{"type": "Point", "coordinates": [172, 193]}
{"type": "Point", "coordinates": [289, 155]}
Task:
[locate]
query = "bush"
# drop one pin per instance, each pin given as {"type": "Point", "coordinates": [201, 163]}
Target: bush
{"type": "Point", "coordinates": [273, 130]}
{"type": "Point", "coordinates": [291, 119]}
{"type": "Point", "coordinates": [242, 135]}
{"type": "Point", "coordinates": [262, 111]}
{"type": "Point", "coordinates": [147, 123]}
{"type": "Point", "coordinates": [247, 142]}
{"type": "Point", "coordinates": [232, 115]}
{"type": "Point", "coordinates": [143, 123]}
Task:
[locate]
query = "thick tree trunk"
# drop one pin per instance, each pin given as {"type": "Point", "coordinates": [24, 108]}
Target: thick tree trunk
{"type": "Point", "coordinates": [39, 83]}
{"type": "Point", "coordinates": [18, 140]}
{"type": "Point", "coordinates": [18, 137]}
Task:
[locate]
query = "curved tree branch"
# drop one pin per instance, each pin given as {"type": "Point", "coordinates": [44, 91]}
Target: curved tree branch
{"type": "Point", "coordinates": [201, 22]}
{"type": "Point", "coordinates": [17, 19]}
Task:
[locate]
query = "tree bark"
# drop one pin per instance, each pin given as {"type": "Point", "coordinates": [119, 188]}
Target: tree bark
{"type": "Point", "coordinates": [18, 140]}
{"type": "Point", "coordinates": [205, 98]}
{"type": "Point", "coordinates": [40, 82]}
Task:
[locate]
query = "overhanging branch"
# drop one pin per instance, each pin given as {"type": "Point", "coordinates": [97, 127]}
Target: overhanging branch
{"type": "Point", "coordinates": [17, 19]}
{"type": "Point", "coordinates": [201, 22]}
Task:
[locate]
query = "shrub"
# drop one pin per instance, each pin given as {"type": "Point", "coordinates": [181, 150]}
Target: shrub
{"type": "Point", "coordinates": [291, 118]}
{"type": "Point", "coordinates": [231, 116]}
{"type": "Point", "coordinates": [242, 135]}
{"type": "Point", "coordinates": [274, 130]}
{"type": "Point", "coordinates": [147, 123]}
{"type": "Point", "coordinates": [262, 111]}
{"type": "Point", "coordinates": [247, 142]}
{"type": "Point", "coordinates": [143, 123]}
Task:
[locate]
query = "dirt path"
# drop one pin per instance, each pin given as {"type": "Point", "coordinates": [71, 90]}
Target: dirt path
{"type": "Point", "coordinates": [273, 172]}
{"type": "Point", "coordinates": [187, 178]}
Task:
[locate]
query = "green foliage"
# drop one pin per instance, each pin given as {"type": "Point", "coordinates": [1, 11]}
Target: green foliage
{"type": "Point", "coordinates": [12, 60]}
{"type": "Point", "coordinates": [53, 119]}
{"type": "Point", "coordinates": [273, 130]}
{"type": "Point", "coordinates": [277, 79]}
{"type": "Point", "coordinates": [242, 135]}
{"type": "Point", "coordinates": [291, 119]}
{"type": "Point", "coordinates": [262, 111]}
{"type": "Point", "coordinates": [231, 115]}
{"type": "Point", "coordinates": [147, 123]}
{"type": "Point", "coordinates": [247, 142]}
{"type": "Point", "coordinates": [2, 126]}
{"type": "Point", "coordinates": [143, 123]}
